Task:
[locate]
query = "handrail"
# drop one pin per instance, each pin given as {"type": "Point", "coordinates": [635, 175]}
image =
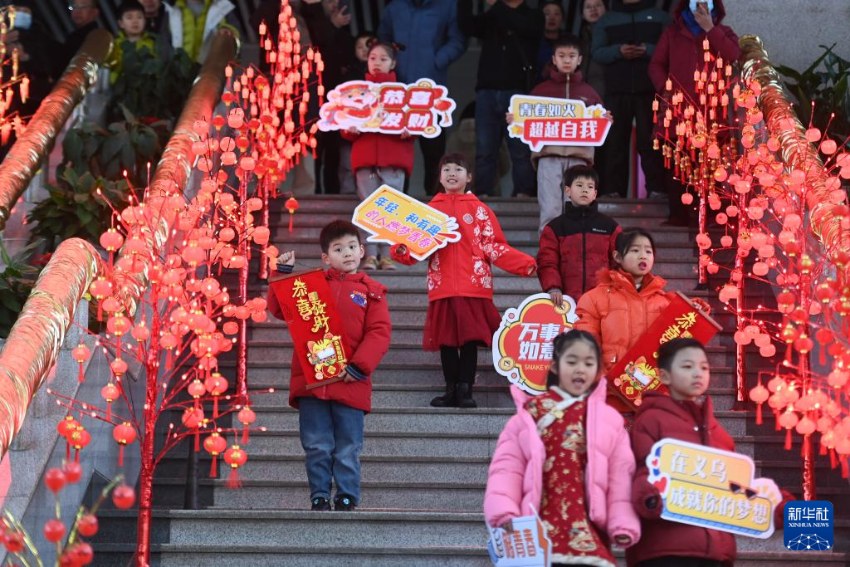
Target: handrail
{"type": "Point", "coordinates": [33, 344]}
{"type": "Point", "coordinates": [27, 153]}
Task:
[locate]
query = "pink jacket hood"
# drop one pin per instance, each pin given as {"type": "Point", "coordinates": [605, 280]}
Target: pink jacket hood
{"type": "Point", "coordinates": [515, 478]}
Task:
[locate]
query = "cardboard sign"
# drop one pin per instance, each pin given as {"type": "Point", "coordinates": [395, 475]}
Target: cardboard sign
{"type": "Point", "coordinates": [526, 546]}
{"type": "Point", "coordinates": [637, 371]}
{"type": "Point", "coordinates": [317, 333]}
{"type": "Point", "coordinates": [395, 218]}
{"type": "Point", "coordinates": [540, 121]}
{"type": "Point", "coordinates": [522, 345]}
{"type": "Point", "coordinates": [421, 108]}
{"type": "Point", "coordinates": [703, 486]}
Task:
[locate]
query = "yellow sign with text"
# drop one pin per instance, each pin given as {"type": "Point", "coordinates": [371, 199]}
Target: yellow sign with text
{"type": "Point", "coordinates": [540, 121]}
{"type": "Point", "coordinates": [712, 488]}
{"type": "Point", "coordinates": [395, 218]}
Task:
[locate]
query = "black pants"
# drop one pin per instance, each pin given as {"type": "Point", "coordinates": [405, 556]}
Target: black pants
{"type": "Point", "coordinates": [432, 150]}
{"type": "Point", "coordinates": [326, 164]}
{"type": "Point", "coordinates": [459, 364]}
{"type": "Point", "coordinates": [673, 561]}
{"type": "Point", "coordinates": [615, 176]}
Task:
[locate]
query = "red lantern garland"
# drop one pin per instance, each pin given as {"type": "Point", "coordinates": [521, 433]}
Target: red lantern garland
{"type": "Point", "coordinates": [214, 445]}
{"type": "Point", "coordinates": [235, 457]}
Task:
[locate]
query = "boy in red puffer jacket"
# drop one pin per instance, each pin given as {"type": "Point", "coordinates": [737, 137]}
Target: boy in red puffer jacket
{"type": "Point", "coordinates": [577, 244]}
{"type": "Point", "coordinates": [330, 418]}
{"type": "Point", "coordinates": [380, 159]}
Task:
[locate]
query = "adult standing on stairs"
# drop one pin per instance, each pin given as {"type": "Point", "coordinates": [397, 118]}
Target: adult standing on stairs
{"type": "Point", "coordinates": [429, 32]}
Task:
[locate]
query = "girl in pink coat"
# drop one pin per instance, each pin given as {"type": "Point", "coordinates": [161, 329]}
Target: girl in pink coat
{"type": "Point", "coordinates": [566, 456]}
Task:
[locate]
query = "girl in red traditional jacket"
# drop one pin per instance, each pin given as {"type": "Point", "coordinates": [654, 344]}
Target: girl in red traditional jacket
{"type": "Point", "coordinates": [461, 315]}
{"type": "Point", "coordinates": [380, 159]}
{"type": "Point", "coordinates": [565, 456]}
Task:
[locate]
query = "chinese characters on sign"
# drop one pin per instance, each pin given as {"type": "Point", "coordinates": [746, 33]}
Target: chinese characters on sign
{"type": "Point", "coordinates": [637, 371]}
{"type": "Point", "coordinates": [316, 330]}
{"type": "Point", "coordinates": [522, 345]}
{"type": "Point", "coordinates": [540, 121]}
{"type": "Point", "coordinates": [707, 487]}
{"type": "Point", "coordinates": [526, 546]}
{"type": "Point", "coordinates": [421, 108]}
{"type": "Point", "coordinates": [395, 218]}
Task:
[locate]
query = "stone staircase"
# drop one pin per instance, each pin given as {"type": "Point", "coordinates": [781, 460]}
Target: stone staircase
{"type": "Point", "coordinates": [424, 469]}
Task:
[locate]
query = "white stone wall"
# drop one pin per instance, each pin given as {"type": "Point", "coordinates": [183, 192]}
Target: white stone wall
{"type": "Point", "coordinates": [792, 30]}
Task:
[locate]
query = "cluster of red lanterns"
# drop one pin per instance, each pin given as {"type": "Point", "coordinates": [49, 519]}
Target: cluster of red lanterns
{"type": "Point", "coordinates": [769, 209]}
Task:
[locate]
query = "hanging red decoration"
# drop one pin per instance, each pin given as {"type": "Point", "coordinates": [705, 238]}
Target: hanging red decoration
{"type": "Point", "coordinates": [235, 457]}
{"type": "Point", "coordinates": [291, 206]}
{"type": "Point", "coordinates": [81, 354]}
{"type": "Point", "coordinates": [214, 445]}
{"type": "Point", "coordinates": [124, 434]}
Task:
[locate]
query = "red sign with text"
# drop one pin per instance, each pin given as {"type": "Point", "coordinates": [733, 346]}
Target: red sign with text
{"type": "Point", "coordinates": [316, 329]}
{"type": "Point", "coordinates": [637, 372]}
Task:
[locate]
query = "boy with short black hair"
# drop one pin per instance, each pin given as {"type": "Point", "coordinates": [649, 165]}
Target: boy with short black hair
{"type": "Point", "coordinates": [577, 244]}
{"type": "Point", "coordinates": [564, 81]}
{"type": "Point", "coordinates": [331, 417]}
{"type": "Point", "coordinates": [685, 414]}
{"type": "Point", "coordinates": [132, 35]}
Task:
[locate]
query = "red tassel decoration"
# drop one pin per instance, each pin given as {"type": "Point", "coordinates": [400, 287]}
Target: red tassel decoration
{"type": "Point", "coordinates": [233, 480]}
{"type": "Point", "coordinates": [214, 467]}
{"type": "Point", "coordinates": [120, 455]}
{"type": "Point", "coordinates": [245, 435]}
{"type": "Point", "coordinates": [109, 411]}
{"type": "Point", "coordinates": [776, 419]}
{"type": "Point", "coordinates": [758, 414]}
{"type": "Point", "coordinates": [832, 460]}
{"type": "Point", "coordinates": [197, 440]}
{"type": "Point", "coordinates": [822, 450]}
{"type": "Point", "coordinates": [788, 439]}
{"type": "Point", "coordinates": [806, 445]}
{"type": "Point", "coordinates": [77, 456]}
{"type": "Point", "coordinates": [81, 376]}
{"type": "Point", "coordinates": [845, 472]}
{"type": "Point", "coordinates": [67, 450]}
{"type": "Point", "coordinates": [215, 407]}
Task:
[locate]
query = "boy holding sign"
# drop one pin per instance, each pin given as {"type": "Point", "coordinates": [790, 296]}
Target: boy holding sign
{"type": "Point", "coordinates": [686, 414]}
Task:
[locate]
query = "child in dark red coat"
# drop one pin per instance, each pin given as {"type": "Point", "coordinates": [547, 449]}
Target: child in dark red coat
{"type": "Point", "coordinates": [577, 244]}
{"type": "Point", "coordinates": [687, 415]}
{"type": "Point", "coordinates": [331, 417]}
{"type": "Point", "coordinates": [380, 159]}
{"type": "Point", "coordinates": [461, 315]}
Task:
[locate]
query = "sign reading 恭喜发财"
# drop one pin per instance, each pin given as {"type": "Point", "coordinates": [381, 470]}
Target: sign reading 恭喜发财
{"type": "Point", "coordinates": [395, 218]}
{"type": "Point", "coordinates": [317, 334]}
{"type": "Point", "coordinates": [522, 345]}
{"type": "Point", "coordinates": [422, 108]}
{"type": "Point", "coordinates": [540, 121]}
{"type": "Point", "coordinates": [712, 488]}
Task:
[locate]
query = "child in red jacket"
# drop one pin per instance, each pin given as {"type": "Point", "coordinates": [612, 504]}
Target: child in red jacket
{"type": "Point", "coordinates": [687, 415]}
{"type": "Point", "coordinates": [380, 159]}
{"type": "Point", "coordinates": [331, 417]}
{"type": "Point", "coordinates": [461, 314]}
{"type": "Point", "coordinates": [577, 244]}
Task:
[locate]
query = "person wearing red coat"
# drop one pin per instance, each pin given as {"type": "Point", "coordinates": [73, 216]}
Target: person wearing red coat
{"type": "Point", "coordinates": [380, 159]}
{"type": "Point", "coordinates": [687, 415]}
{"type": "Point", "coordinates": [331, 416]}
{"type": "Point", "coordinates": [678, 54]}
{"type": "Point", "coordinates": [461, 314]}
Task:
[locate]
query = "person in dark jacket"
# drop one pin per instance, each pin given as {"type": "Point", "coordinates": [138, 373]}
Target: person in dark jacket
{"type": "Point", "coordinates": [623, 42]}
{"type": "Point", "coordinates": [509, 31]}
{"type": "Point", "coordinates": [678, 54]}
{"type": "Point", "coordinates": [685, 414]}
{"type": "Point", "coordinates": [577, 244]}
{"type": "Point", "coordinates": [84, 14]}
{"type": "Point", "coordinates": [432, 40]}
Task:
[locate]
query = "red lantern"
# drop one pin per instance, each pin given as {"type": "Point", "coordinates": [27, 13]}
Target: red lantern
{"type": "Point", "coordinates": [87, 525]}
{"type": "Point", "coordinates": [54, 530]}
{"type": "Point", "coordinates": [81, 354]}
{"type": "Point", "coordinates": [79, 439]}
{"type": "Point", "coordinates": [123, 496]}
{"type": "Point", "coordinates": [109, 393]}
{"type": "Point", "coordinates": [123, 433]}
{"type": "Point", "coordinates": [235, 457]}
{"type": "Point", "coordinates": [216, 385]}
{"type": "Point", "coordinates": [192, 419]}
{"type": "Point", "coordinates": [73, 471]}
{"type": "Point", "coordinates": [291, 206]}
{"type": "Point", "coordinates": [759, 395]}
{"type": "Point", "coordinates": [246, 417]}
{"type": "Point", "coordinates": [65, 428]}
{"type": "Point", "coordinates": [215, 445]}
{"type": "Point", "coordinates": [54, 479]}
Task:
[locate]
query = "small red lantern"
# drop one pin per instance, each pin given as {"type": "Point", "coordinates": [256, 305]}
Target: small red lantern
{"type": "Point", "coordinates": [54, 479]}
{"type": "Point", "coordinates": [79, 439]}
{"type": "Point", "coordinates": [81, 354]}
{"type": "Point", "coordinates": [87, 525]}
{"type": "Point", "coordinates": [216, 385]}
{"type": "Point", "coordinates": [246, 417]}
{"type": "Point", "coordinates": [73, 471]}
{"type": "Point", "coordinates": [123, 433]}
{"type": "Point", "coordinates": [123, 496]}
{"type": "Point", "coordinates": [54, 530]}
{"type": "Point", "coordinates": [65, 428]}
{"type": "Point", "coordinates": [109, 393]}
{"type": "Point", "coordinates": [215, 445]}
{"type": "Point", "coordinates": [193, 418]}
{"type": "Point", "coordinates": [235, 457]}
{"type": "Point", "coordinates": [291, 206]}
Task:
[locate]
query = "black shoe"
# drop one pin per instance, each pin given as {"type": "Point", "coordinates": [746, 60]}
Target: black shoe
{"type": "Point", "coordinates": [447, 400]}
{"type": "Point", "coordinates": [343, 503]}
{"type": "Point", "coordinates": [464, 396]}
{"type": "Point", "coordinates": [320, 504]}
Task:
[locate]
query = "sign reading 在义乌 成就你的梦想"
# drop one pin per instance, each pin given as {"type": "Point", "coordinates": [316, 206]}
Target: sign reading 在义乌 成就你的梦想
{"type": "Point", "coordinates": [712, 488]}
